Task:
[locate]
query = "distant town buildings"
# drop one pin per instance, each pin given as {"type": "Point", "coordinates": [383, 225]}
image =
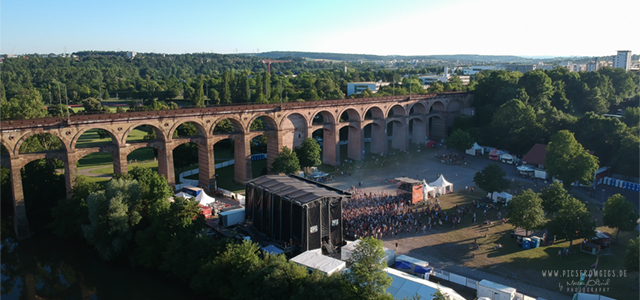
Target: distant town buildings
{"type": "Point", "coordinates": [359, 87]}
{"type": "Point", "coordinates": [131, 54]}
{"type": "Point", "coordinates": [622, 60]}
{"type": "Point", "coordinates": [473, 70]}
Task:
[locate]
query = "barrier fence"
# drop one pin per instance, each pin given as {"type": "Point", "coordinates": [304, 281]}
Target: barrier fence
{"type": "Point", "coordinates": [473, 284]}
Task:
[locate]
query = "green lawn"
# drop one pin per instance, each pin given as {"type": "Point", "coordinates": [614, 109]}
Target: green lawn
{"type": "Point", "coordinates": [102, 159]}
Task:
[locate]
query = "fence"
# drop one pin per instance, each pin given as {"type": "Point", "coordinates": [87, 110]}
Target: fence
{"type": "Point", "coordinates": [472, 283]}
{"type": "Point", "coordinates": [461, 280]}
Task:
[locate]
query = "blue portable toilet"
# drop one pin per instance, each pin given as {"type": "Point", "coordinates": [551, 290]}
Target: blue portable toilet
{"type": "Point", "coordinates": [535, 242]}
{"type": "Point", "coordinates": [636, 187]}
{"type": "Point", "coordinates": [612, 182]}
{"type": "Point", "coordinates": [526, 243]}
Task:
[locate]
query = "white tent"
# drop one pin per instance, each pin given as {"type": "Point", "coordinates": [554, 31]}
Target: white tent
{"type": "Point", "coordinates": [345, 253]}
{"type": "Point", "coordinates": [183, 195]}
{"type": "Point", "coordinates": [404, 285]}
{"type": "Point", "coordinates": [427, 190]}
{"type": "Point", "coordinates": [204, 199]}
{"type": "Point", "coordinates": [442, 186]}
{"type": "Point", "coordinates": [315, 260]}
{"type": "Point", "coordinates": [475, 149]}
{"type": "Point", "coordinates": [502, 197]}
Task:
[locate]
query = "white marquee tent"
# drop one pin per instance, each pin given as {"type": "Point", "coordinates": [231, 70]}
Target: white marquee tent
{"type": "Point", "coordinates": [315, 260]}
{"type": "Point", "coordinates": [442, 186]}
{"type": "Point", "coordinates": [427, 190]}
{"type": "Point", "coordinates": [475, 149]}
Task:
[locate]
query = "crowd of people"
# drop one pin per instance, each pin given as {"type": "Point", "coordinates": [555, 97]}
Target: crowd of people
{"type": "Point", "coordinates": [383, 215]}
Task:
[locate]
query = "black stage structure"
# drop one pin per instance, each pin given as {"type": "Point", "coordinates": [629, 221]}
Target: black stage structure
{"type": "Point", "coordinates": [294, 209]}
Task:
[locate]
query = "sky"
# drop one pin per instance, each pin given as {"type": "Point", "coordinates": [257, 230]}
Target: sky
{"type": "Point", "coordinates": [401, 27]}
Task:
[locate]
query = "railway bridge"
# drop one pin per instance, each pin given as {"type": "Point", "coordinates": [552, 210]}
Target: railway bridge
{"type": "Point", "coordinates": [401, 119]}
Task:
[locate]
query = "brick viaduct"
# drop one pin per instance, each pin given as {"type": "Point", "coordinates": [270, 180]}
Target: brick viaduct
{"type": "Point", "coordinates": [286, 124]}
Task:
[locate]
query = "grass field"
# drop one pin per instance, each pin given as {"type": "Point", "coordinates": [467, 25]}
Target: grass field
{"type": "Point", "coordinates": [526, 265]}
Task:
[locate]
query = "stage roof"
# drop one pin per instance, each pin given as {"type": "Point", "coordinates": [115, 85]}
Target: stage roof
{"type": "Point", "coordinates": [296, 189]}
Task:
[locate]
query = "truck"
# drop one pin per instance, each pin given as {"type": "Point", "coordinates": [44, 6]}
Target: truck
{"type": "Point", "coordinates": [232, 217]}
{"type": "Point", "coordinates": [495, 291]}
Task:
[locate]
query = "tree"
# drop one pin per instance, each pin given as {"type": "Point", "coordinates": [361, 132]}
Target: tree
{"type": "Point", "coordinates": [631, 116]}
{"type": "Point", "coordinates": [554, 197]}
{"type": "Point", "coordinates": [525, 211]}
{"type": "Point", "coordinates": [112, 216]}
{"type": "Point", "coordinates": [460, 140]}
{"type": "Point", "coordinates": [26, 104]}
{"type": "Point", "coordinates": [92, 105]}
{"type": "Point", "coordinates": [439, 296]}
{"type": "Point", "coordinates": [514, 127]}
{"type": "Point", "coordinates": [573, 222]}
{"type": "Point", "coordinates": [538, 86]}
{"type": "Point", "coordinates": [491, 179]}
{"type": "Point", "coordinates": [309, 153]}
{"type": "Point", "coordinates": [619, 213]}
{"type": "Point", "coordinates": [198, 96]}
{"type": "Point", "coordinates": [631, 261]}
{"type": "Point", "coordinates": [71, 214]}
{"type": "Point", "coordinates": [214, 96]}
{"type": "Point", "coordinates": [568, 161]}
{"type": "Point", "coordinates": [225, 95]}
{"type": "Point", "coordinates": [366, 274]}
{"type": "Point", "coordinates": [287, 162]}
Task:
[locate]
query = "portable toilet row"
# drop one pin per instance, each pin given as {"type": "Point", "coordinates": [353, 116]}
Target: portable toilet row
{"type": "Point", "coordinates": [621, 184]}
{"type": "Point", "coordinates": [530, 243]}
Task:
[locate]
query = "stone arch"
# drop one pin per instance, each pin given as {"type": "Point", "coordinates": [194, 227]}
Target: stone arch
{"type": "Point", "coordinates": [24, 137]}
{"type": "Point", "coordinates": [418, 108]}
{"type": "Point", "coordinates": [328, 117]}
{"type": "Point", "coordinates": [179, 142]}
{"type": "Point", "coordinates": [376, 112]}
{"type": "Point", "coordinates": [159, 132]}
{"type": "Point", "coordinates": [454, 106]}
{"type": "Point", "coordinates": [398, 111]}
{"type": "Point", "coordinates": [352, 114]}
{"type": "Point", "coordinates": [270, 123]}
{"type": "Point", "coordinates": [294, 128]}
{"type": "Point", "coordinates": [437, 106]}
{"type": "Point", "coordinates": [238, 127]}
{"type": "Point", "coordinates": [199, 126]}
{"type": "Point", "coordinates": [76, 137]}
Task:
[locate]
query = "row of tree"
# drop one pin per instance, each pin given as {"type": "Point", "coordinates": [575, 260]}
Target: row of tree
{"type": "Point", "coordinates": [514, 111]}
{"type": "Point", "coordinates": [131, 219]}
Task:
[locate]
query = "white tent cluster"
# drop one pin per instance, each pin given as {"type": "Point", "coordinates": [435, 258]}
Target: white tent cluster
{"type": "Point", "coordinates": [201, 197]}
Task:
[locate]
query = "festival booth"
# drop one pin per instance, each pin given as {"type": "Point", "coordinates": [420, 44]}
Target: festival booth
{"type": "Point", "coordinates": [503, 197]}
{"type": "Point", "coordinates": [405, 286]}
{"type": "Point", "coordinates": [314, 260]}
{"type": "Point", "coordinates": [475, 150]}
{"type": "Point", "coordinates": [409, 189]}
{"type": "Point", "coordinates": [428, 191]}
{"type": "Point", "coordinates": [431, 144]}
{"type": "Point", "coordinates": [442, 186]}
{"type": "Point", "coordinates": [526, 171]}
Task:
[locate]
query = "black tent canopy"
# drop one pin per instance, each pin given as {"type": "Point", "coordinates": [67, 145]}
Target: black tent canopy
{"type": "Point", "coordinates": [290, 208]}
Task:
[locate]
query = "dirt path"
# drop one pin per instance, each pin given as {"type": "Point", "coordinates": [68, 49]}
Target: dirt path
{"type": "Point", "coordinates": [87, 172]}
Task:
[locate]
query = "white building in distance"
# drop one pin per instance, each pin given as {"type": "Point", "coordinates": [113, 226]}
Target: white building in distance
{"type": "Point", "coordinates": [131, 54]}
{"type": "Point", "coordinates": [359, 87]}
{"type": "Point", "coordinates": [622, 60]}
